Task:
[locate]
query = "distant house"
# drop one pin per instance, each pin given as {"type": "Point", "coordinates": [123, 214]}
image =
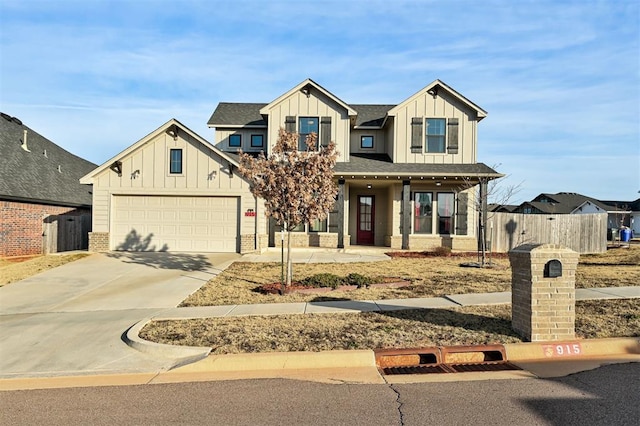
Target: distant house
{"type": "Point", "coordinates": [618, 213]}
{"type": "Point", "coordinates": [406, 176]}
{"type": "Point", "coordinates": [38, 180]}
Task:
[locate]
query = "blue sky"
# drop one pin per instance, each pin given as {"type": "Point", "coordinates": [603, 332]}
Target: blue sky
{"type": "Point", "coordinates": [559, 79]}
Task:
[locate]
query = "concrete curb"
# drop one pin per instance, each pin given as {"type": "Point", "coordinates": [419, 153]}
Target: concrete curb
{"type": "Point", "coordinates": [572, 349]}
{"type": "Point", "coordinates": [182, 354]}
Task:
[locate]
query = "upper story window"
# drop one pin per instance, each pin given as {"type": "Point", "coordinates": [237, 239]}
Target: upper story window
{"type": "Point", "coordinates": [436, 129]}
{"type": "Point", "coordinates": [366, 142]}
{"type": "Point", "coordinates": [257, 141]}
{"type": "Point", "coordinates": [307, 125]}
{"type": "Point", "coordinates": [175, 161]}
{"type": "Point", "coordinates": [235, 141]}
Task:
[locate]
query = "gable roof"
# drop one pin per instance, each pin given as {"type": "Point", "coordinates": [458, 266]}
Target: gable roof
{"type": "Point", "coordinates": [171, 125]}
{"type": "Point", "coordinates": [437, 86]}
{"type": "Point", "coordinates": [567, 202]}
{"type": "Point", "coordinates": [368, 116]}
{"type": "Point", "coordinates": [308, 84]}
{"type": "Point", "coordinates": [39, 170]}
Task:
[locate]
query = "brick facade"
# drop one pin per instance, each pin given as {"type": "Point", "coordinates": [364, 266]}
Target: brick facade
{"type": "Point", "coordinates": [543, 305]}
{"type": "Point", "coordinates": [21, 226]}
{"type": "Point", "coordinates": [98, 241]}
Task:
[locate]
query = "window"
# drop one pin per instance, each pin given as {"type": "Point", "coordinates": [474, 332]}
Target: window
{"type": "Point", "coordinates": [445, 212]}
{"type": "Point", "coordinates": [235, 141]}
{"type": "Point", "coordinates": [175, 161]}
{"type": "Point", "coordinates": [306, 125]}
{"type": "Point", "coordinates": [366, 141]}
{"type": "Point", "coordinates": [318, 226]}
{"type": "Point", "coordinates": [423, 212]}
{"type": "Point", "coordinates": [435, 134]}
{"type": "Point", "coordinates": [257, 141]}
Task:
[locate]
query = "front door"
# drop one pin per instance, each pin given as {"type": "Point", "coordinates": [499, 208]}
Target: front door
{"type": "Point", "coordinates": [366, 216]}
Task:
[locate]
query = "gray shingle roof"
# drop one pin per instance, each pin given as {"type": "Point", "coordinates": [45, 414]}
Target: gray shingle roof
{"type": "Point", "coordinates": [566, 202]}
{"type": "Point", "coordinates": [248, 114]}
{"type": "Point", "coordinates": [34, 176]}
{"type": "Point", "coordinates": [381, 164]}
{"type": "Point", "coordinates": [371, 115]}
{"type": "Point", "coordinates": [237, 114]}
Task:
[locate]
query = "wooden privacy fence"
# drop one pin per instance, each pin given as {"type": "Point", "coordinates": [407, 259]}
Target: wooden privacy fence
{"type": "Point", "coordinates": [583, 233]}
{"type": "Point", "coordinates": [66, 233]}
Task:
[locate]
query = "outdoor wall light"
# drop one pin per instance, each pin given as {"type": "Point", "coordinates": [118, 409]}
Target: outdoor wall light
{"type": "Point", "coordinates": [433, 91]}
{"type": "Point", "coordinates": [116, 166]}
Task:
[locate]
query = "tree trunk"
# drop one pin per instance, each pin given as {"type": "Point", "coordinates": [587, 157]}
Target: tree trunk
{"type": "Point", "coordinates": [289, 263]}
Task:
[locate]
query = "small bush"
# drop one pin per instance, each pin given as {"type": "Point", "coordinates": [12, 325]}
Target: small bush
{"type": "Point", "coordinates": [323, 280]}
{"type": "Point", "coordinates": [358, 280]}
{"type": "Point", "coordinates": [442, 251]}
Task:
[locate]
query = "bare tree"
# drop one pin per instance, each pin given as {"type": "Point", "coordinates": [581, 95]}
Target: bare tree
{"type": "Point", "coordinates": [490, 191]}
{"type": "Point", "coordinates": [297, 186]}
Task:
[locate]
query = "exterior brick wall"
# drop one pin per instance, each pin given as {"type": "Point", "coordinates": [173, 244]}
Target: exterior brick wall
{"type": "Point", "coordinates": [543, 308]}
{"type": "Point", "coordinates": [301, 239]}
{"type": "Point", "coordinates": [428, 242]}
{"type": "Point", "coordinates": [98, 241]}
{"type": "Point", "coordinates": [21, 226]}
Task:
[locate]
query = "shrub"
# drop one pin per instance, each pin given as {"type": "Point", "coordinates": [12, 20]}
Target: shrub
{"type": "Point", "coordinates": [442, 251]}
{"type": "Point", "coordinates": [323, 280]}
{"type": "Point", "coordinates": [358, 280]}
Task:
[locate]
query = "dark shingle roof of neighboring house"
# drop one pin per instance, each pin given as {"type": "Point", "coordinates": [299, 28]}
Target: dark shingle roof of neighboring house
{"type": "Point", "coordinates": [45, 173]}
{"type": "Point", "coordinates": [500, 208]}
{"type": "Point", "coordinates": [248, 114]}
{"type": "Point", "coordinates": [566, 202]}
{"type": "Point", "coordinates": [237, 114]}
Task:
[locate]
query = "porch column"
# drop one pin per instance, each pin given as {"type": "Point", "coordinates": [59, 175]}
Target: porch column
{"type": "Point", "coordinates": [340, 213]}
{"type": "Point", "coordinates": [482, 241]}
{"type": "Point", "coordinates": [406, 213]}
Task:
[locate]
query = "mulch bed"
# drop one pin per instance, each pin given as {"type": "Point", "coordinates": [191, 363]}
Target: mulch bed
{"type": "Point", "coordinates": [296, 287]}
{"type": "Point", "coordinates": [425, 254]}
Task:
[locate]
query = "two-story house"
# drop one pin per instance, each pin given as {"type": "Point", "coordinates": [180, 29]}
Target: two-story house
{"type": "Point", "coordinates": [407, 176]}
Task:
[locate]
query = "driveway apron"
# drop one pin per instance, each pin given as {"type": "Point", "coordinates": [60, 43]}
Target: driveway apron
{"type": "Point", "coordinates": [70, 320]}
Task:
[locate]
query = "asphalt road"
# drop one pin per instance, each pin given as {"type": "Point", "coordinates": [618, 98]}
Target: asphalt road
{"type": "Point", "coordinates": [606, 396]}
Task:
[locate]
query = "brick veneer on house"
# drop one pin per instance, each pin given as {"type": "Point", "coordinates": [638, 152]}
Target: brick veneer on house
{"type": "Point", "coordinates": [98, 241]}
{"type": "Point", "coordinates": [543, 306]}
{"type": "Point", "coordinates": [21, 226]}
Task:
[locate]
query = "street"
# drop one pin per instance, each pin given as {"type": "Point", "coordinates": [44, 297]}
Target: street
{"type": "Point", "coordinates": [606, 396]}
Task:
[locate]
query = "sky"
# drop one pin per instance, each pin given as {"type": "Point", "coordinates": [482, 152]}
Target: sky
{"type": "Point", "coordinates": [560, 80]}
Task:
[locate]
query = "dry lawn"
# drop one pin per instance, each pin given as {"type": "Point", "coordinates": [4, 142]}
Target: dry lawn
{"type": "Point", "coordinates": [19, 268]}
{"type": "Point", "coordinates": [410, 328]}
{"type": "Point", "coordinates": [430, 276]}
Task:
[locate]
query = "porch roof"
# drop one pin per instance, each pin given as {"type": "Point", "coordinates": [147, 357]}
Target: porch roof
{"type": "Point", "coordinates": [380, 164]}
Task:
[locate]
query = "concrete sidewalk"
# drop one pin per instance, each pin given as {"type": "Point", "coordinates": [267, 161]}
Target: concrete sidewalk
{"type": "Point", "coordinates": [356, 306]}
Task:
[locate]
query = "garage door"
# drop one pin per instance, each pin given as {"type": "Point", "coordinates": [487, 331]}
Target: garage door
{"type": "Point", "coordinates": [191, 224]}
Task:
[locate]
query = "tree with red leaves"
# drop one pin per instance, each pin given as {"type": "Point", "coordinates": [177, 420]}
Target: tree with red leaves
{"type": "Point", "coordinates": [296, 186]}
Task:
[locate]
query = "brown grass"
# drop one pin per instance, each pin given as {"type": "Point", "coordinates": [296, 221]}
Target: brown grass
{"type": "Point", "coordinates": [19, 268]}
{"type": "Point", "coordinates": [410, 328]}
{"type": "Point", "coordinates": [430, 276]}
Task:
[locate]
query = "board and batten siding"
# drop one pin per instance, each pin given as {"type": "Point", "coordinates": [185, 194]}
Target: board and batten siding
{"type": "Point", "coordinates": [428, 106]}
{"type": "Point", "coordinates": [145, 171]}
{"type": "Point", "coordinates": [316, 105]}
{"type": "Point", "coordinates": [222, 139]}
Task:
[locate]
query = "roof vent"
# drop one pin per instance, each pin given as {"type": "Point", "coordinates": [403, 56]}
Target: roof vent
{"type": "Point", "coordinates": [24, 141]}
{"type": "Point", "coordinates": [45, 154]}
{"type": "Point", "coordinates": [59, 169]}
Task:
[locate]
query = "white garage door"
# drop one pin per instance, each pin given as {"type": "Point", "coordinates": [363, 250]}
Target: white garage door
{"type": "Point", "coordinates": [164, 223]}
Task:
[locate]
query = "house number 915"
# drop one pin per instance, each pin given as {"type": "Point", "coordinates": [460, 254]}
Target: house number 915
{"type": "Point", "coordinates": [562, 349]}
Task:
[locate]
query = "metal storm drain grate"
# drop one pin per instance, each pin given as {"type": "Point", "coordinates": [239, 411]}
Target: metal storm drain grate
{"type": "Point", "coordinates": [441, 359]}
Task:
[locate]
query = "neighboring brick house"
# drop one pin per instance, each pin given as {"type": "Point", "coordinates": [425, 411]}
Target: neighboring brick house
{"type": "Point", "coordinates": [38, 179]}
{"type": "Point", "coordinates": [407, 176]}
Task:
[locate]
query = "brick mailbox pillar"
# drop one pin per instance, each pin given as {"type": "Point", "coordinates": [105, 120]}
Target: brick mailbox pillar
{"type": "Point", "coordinates": [543, 295]}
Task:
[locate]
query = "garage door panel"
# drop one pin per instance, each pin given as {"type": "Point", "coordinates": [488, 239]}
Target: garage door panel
{"type": "Point", "coordinates": [204, 224]}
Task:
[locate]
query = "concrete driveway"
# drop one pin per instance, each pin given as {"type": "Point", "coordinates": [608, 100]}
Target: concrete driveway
{"type": "Point", "coordinates": [70, 320]}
